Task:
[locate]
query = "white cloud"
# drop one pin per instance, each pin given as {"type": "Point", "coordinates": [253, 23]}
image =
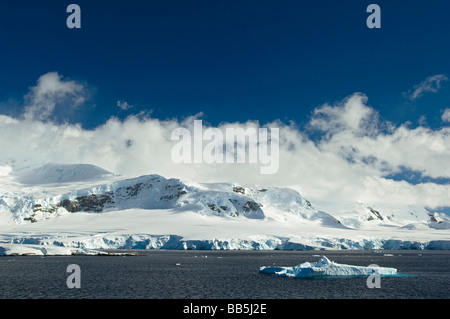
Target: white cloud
{"type": "Point", "coordinates": [430, 84]}
{"type": "Point", "coordinates": [423, 121]}
{"type": "Point", "coordinates": [352, 114]}
{"type": "Point", "coordinates": [349, 163]}
{"type": "Point", "coordinates": [446, 115]}
{"type": "Point", "coordinates": [124, 105]}
{"type": "Point", "coordinates": [52, 91]}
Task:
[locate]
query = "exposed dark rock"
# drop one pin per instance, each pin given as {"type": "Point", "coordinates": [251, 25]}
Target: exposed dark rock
{"type": "Point", "coordinates": [432, 219]}
{"type": "Point", "coordinates": [239, 189]}
{"type": "Point", "coordinates": [88, 203]}
{"type": "Point", "coordinates": [247, 206]}
{"type": "Point", "coordinates": [214, 208]}
{"type": "Point", "coordinates": [30, 219]}
{"type": "Point", "coordinates": [72, 206]}
{"type": "Point", "coordinates": [251, 206]}
{"type": "Point", "coordinates": [135, 189]}
{"type": "Point", "coordinates": [376, 213]}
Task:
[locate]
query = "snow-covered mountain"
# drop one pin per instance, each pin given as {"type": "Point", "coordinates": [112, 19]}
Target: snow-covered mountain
{"type": "Point", "coordinates": [156, 192]}
{"type": "Point", "coordinates": [84, 206]}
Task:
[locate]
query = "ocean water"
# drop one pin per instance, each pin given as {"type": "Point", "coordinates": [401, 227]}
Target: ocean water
{"type": "Point", "coordinates": [203, 274]}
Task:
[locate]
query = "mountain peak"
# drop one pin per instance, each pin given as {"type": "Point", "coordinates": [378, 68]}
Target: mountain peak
{"type": "Point", "coordinates": [60, 173]}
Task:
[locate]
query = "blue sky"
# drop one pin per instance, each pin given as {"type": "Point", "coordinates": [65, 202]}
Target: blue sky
{"type": "Point", "coordinates": [232, 60]}
{"type": "Point", "coordinates": [314, 63]}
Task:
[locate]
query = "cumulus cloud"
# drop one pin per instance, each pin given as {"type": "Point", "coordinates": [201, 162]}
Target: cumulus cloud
{"type": "Point", "coordinates": [351, 160]}
{"type": "Point", "coordinates": [49, 92]}
{"type": "Point", "coordinates": [352, 114]}
{"type": "Point", "coordinates": [430, 84]}
{"type": "Point", "coordinates": [446, 115]}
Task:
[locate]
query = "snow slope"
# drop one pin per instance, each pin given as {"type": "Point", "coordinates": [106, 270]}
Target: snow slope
{"type": "Point", "coordinates": [54, 173]}
{"type": "Point", "coordinates": [94, 209]}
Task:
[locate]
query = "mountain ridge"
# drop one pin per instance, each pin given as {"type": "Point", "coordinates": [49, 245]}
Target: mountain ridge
{"type": "Point", "coordinates": [151, 211]}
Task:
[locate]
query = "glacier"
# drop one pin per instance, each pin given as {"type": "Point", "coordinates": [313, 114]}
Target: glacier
{"type": "Point", "coordinates": [80, 208]}
{"type": "Point", "coordinates": [324, 268]}
{"type": "Point", "coordinates": [43, 250]}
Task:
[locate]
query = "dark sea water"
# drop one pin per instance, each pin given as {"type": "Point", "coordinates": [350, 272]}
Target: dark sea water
{"type": "Point", "coordinates": [221, 274]}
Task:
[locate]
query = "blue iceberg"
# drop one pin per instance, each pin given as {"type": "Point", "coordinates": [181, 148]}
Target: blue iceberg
{"type": "Point", "coordinates": [325, 267]}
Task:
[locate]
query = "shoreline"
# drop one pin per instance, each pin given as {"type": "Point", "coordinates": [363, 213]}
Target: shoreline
{"type": "Point", "coordinates": [30, 250]}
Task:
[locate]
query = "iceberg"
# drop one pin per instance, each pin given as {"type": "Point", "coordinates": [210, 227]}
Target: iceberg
{"type": "Point", "coordinates": [324, 268]}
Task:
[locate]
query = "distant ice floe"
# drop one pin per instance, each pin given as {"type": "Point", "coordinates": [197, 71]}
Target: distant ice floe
{"type": "Point", "coordinates": [325, 267]}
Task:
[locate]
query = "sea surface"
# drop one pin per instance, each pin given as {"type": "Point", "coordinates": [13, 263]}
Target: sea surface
{"type": "Point", "coordinates": [204, 274]}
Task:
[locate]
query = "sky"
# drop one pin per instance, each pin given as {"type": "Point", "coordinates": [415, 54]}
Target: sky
{"type": "Point", "coordinates": [364, 114]}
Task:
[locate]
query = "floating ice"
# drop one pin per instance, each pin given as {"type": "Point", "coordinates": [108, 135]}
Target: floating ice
{"type": "Point", "coordinates": [326, 267]}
